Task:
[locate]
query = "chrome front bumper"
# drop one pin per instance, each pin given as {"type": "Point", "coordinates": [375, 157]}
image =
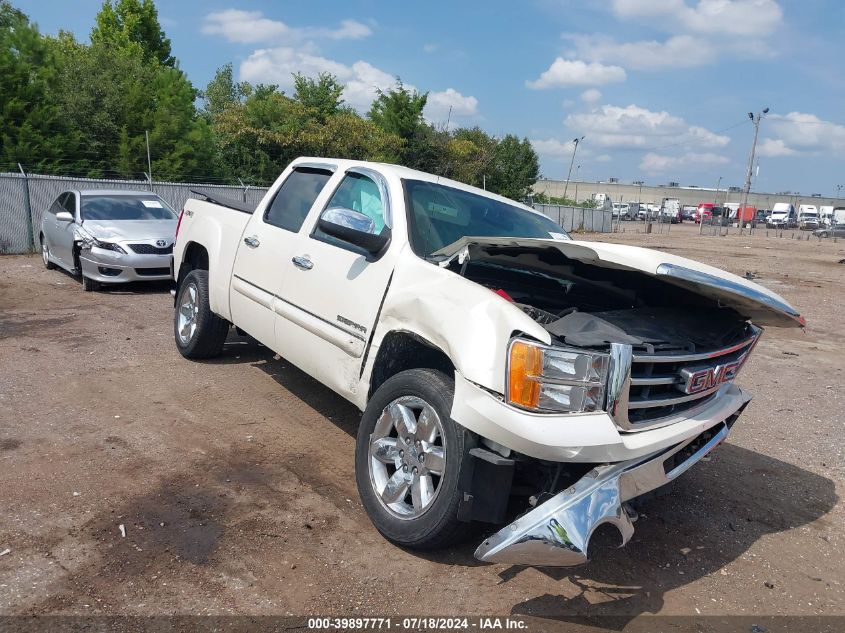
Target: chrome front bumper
{"type": "Point", "coordinates": [557, 533]}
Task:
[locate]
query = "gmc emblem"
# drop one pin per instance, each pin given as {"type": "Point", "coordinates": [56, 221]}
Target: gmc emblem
{"type": "Point", "coordinates": [696, 380]}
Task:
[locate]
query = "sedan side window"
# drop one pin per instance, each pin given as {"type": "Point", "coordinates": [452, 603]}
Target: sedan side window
{"type": "Point", "coordinates": [69, 203]}
{"type": "Point", "coordinates": [295, 198]}
{"type": "Point", "coordinates": [57, 204]}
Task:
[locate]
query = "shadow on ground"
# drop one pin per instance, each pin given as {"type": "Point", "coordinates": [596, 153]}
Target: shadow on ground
{"type": "Point", "coordinates": [717, 511]}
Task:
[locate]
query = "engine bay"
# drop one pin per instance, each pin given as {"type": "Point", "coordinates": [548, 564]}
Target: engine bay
{"type": "Point", "coordinates": [585, 305]}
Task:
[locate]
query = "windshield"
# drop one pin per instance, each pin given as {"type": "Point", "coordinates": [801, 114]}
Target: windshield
{"type": "Point", "coordinates": [440, 215]}
{"type": "Point", "coordinates": [122, 207]}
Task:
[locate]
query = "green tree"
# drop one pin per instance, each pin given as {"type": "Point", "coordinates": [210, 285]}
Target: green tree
{"type": "Point", "coordinates": [323, 95]}
{"type": "Point", "coordinates": [399, 111]}
{"type": "Point", "coordinates": [515, 168]}
{"type": "Point", "coordinates": [32, 129]}
{"type": "Point", "coordinates": [223, 91]}
{"type": "Point", "coordinates": [133, 24]}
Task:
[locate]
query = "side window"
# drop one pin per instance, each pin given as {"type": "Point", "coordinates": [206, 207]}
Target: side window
{"type": "Point", "coordinates": [361, 194]}
{"type": "Point", "coordinates": [296, 197]}
{"type": "Point", "coordinates": [69, 203]}
{"type": "Point", "coordinates": [57, 204]}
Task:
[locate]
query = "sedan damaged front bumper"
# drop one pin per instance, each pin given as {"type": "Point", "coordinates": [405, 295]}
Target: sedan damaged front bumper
{"type": "Point", "coordinates": [557, 532]}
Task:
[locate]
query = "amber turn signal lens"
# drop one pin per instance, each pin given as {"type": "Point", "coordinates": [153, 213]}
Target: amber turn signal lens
{"type": "Point", "coordinates": [526, 365]}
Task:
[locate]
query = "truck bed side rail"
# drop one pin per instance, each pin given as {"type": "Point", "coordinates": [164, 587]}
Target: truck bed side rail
{"type": "Point", "coordinates": [223, 201]}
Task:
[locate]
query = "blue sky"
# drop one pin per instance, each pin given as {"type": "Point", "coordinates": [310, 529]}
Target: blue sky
{"type": "Point", "coordinates": [659, 88]}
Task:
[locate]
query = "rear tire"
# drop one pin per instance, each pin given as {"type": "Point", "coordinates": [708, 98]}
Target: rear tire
{"type": "Point", "coordinates": [45, 255]}
{"type": "Point", "coordinates": [89, 285]}
{"type": "Point", "coordinates": [412, 497]}
{"type": "Point", "coordinates": [199, 333]}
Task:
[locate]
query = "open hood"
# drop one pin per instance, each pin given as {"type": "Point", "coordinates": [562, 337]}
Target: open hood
{"type": "Point", "coordinates": [751, 300]}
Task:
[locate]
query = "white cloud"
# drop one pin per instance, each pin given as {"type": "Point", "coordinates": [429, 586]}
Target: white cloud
{"type": "Point", "coordinates": [248, 27]}
{"type": "Point", "coordinates": [774, 147]}
{"type": "Point", "coordinates": [802, 132]}
{"type": "Point", "coordinates": [362, 81]}
{"type": "Point", "coordinates": [244, 26]}
{"type": "Point", "coordinates": [575, 72]}
{"type": "Point", "coordinates": [633, 126]}
{"type": "Point", "coordinates": [679, 51]}
{"type": "Point", "coordinates": [431, 47]}
{"type": "Point", "coordinates": [751, 18]}
{"type": "Point", "coordinates": [592, 95]}
{"type": "Point", "coordinates": [438, 104]}
{"type": "Point", "coordinates": [659, 163]}
{"type": "Point", "coordinates": [552, 147]}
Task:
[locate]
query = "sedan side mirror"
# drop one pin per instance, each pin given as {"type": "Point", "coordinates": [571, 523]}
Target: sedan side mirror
{"type": "Point", "coordinates": [64, 216]}
{"type": "Point", "coordinates": [355, 228]}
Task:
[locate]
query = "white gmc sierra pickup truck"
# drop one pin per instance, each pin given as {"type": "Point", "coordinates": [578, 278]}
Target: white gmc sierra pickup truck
{"type": "Point", "coordinates": [505, 371]}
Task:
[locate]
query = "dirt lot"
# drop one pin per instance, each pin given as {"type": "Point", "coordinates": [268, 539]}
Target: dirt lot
{"type": "Point", "coordinates": [234, 481]}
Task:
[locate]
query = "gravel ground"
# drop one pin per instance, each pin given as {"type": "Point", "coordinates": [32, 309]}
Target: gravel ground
{"type": "Point", "coordinates": [233, 479]}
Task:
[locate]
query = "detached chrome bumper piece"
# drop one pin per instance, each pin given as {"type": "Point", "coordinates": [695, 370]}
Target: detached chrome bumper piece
{"type": "Point", "coordinates": [557, 533]}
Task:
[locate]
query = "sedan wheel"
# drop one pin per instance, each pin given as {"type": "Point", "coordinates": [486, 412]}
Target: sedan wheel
{"type": "Point", "coordinates": [407, 457]}
{"type": "Point", "coordinates": [45, 256]}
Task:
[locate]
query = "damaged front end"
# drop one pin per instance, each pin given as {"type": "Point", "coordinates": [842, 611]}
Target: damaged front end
{"type": "Point", "coordinates": [642, 351]}
{"type": "Point", "coordinates": [557, 532]}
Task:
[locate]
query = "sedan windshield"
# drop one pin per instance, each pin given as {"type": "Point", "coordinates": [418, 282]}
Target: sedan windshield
{"type": "Point", "coordinates": [440, 215]}
{"type": "Point", "coordinates": [118, 207]}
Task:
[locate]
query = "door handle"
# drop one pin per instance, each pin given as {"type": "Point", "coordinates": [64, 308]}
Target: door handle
{"type": "Point", "coordinates": [252, 242]}
{"type": "Point", "coordinates": [302, 262]}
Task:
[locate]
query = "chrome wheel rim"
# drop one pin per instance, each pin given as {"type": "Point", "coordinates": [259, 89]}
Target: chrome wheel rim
{"type": "Point", "coordinates": [186, 323]}
{"type": "Point", "coordinates": [407, 457]}
{"type": "Point", "coordinates": [45, 254]}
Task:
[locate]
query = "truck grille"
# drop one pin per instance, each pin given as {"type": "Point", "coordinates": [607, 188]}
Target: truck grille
{"type": "Point", "coordinates": [665, 383]}
{"type": "Point", "coordinates": [150, 249]}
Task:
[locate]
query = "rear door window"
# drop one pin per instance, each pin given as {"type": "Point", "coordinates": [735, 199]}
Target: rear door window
{"type": "Point", "coordinates": [295, 198]}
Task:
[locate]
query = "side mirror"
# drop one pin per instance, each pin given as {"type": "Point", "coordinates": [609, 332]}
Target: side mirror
{"type": "Point", "coordinates": [353, 227]}
{"type": "Point", "coordinates": [64, 216]}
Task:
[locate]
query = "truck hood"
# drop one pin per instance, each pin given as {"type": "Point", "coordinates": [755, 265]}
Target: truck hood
{"type": "Point", "coordinates": [751, 300]}
{"type": "Point", "coordinates": [119, 230]}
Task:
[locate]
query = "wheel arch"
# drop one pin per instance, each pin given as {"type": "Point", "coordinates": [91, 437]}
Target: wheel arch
{"type": "Point", "coordinates": [401, 350]}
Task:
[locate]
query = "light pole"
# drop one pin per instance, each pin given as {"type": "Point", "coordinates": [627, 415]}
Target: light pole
{"type": "Point", "coordinates": [571, 162]}
{"type": "Point", "coordinates": [577, 171]}
{"type": "Point", "coordinates": [639, 196]}
{"type": "Point", "coordinates": [715, 202]}
{"type": "Point", "coordinates": [756, 120]}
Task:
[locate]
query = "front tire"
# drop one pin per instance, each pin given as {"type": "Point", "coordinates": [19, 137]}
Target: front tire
{"type": "Point", "coordinates": [90, 285]}
{"type": "Point", "coordinates": [199, 333]}
{"type": "Point", "coordinates": [408, 460]}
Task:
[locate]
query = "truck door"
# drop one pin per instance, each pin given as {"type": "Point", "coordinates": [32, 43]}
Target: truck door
{"type": "Point", "coordinates": [265, 250]}
{"type": "Point", "coordinates": [330, 302]}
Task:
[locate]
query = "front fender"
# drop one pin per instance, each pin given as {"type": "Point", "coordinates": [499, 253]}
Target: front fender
{"type": "Point", "coordinates": [469, 323]}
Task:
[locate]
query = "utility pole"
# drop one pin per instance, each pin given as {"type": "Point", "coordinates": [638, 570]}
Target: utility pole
{"type": "Point", "coordinates": [577, 170]}
{"type": "Point", "coordinates": [571, 162]}
{"type": "Point", "coordinates": [149, 164]}
{"type": "Point", "coordinates": [756, 120]}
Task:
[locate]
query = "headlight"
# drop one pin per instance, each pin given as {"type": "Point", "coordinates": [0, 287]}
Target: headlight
{"type": "Point", "coordinates": [555, 379]}
{"type": "Point", "coordinates": [108, 246]}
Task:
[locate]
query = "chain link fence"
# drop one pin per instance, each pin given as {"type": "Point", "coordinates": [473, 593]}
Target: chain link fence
{"type": "Point", "coordinates": [24, 199]}
{"type": "Point", "coordinates": [578, 218]}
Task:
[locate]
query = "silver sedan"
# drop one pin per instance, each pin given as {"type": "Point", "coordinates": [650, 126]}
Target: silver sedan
{"type": "Point", "coordinates": [837, 230]}
{"type": "Point", "coordinates": [109, 236]}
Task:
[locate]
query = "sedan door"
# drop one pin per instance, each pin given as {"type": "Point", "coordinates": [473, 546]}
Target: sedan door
{"type": "Point", "coordinates": [266, 248]}
{"type": "Point", "coordinates": [65, 231]}
{"type": "Point", "coordinates": [331, 297]}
